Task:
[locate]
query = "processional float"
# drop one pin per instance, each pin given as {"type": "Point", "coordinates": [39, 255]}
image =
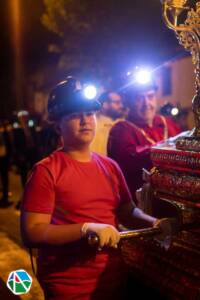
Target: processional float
{"type": "Point", "coordinates": [174, 185]}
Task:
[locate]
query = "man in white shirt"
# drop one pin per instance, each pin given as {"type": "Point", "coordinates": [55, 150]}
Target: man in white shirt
{"type": "Point", "coordinates": [112, 110]}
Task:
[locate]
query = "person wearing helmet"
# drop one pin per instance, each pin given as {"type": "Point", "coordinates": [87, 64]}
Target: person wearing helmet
{"type": "Point", "coordinates": [130, 141]}
{"type": "Point", "coordinates": [71, 193]}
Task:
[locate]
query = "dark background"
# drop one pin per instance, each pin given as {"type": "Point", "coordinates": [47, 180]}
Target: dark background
{"type": "Point", "coordinates": [149, 38]}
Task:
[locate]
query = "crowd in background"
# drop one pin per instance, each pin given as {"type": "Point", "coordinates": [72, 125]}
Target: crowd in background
{"type": "Point", "coordinates": [24, 140]}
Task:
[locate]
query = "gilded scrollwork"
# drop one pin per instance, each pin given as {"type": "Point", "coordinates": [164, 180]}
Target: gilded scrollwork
{"type": "Point", "coordinates": [188, 34]}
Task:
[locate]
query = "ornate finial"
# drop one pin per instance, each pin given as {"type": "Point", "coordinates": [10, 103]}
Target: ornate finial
{"type": "Point", "coordinates": [188, 34]}
{"type": "Point", "coordinates": [198, 7]}
{"type": "Point", "coordinates": [177, 3]}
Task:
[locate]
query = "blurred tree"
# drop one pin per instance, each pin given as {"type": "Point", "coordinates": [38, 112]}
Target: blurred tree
{"type": "Point", "coordinates": [93, 33]}
{"type": "Point", "coordinates": [106, 35]}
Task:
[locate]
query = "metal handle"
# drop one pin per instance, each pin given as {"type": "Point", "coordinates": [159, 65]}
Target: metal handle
{"type": "Point", "coordinates": [93, 239]}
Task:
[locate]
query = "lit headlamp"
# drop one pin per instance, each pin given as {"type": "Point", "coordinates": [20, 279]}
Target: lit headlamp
{"type": "Point", "coordinates": [169, 110]}
{"type": "Point", "coordinates": [140, 76]}
{"type": "Point", "coordinates": [90, 92]}
{"type": "Point", "coordinates": [70, 97]}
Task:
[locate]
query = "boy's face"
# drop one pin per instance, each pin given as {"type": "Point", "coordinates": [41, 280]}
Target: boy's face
{"type": "Point", "coordinates": [78, 129]}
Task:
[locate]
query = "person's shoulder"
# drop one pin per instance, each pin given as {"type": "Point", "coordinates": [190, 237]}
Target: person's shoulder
{"type": "Point", "coordinates": [168, 120]}
{"type": "Point", "coordinates": [54, 165]}
{"type": "Point", "coordinates": [120, 125]}
{"type": "Point", "coordinates": [161, 119]}
{"type": "Point", "coordinates": [107, 161]}
{"type": "Point", "coordinates": [50, 159]}
{"type": "Point", "coordinates": [172, 126]}
{"type": "Point", "coordinates": [52, 162]}
{"type": "Point", "coordinates": [103, 120]}
{"type": "Point", "coordinates": [103, 158]}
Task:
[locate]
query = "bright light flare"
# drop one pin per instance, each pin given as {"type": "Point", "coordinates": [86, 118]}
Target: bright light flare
{"type": "Point", "coordinates": [90, 92]}
{"type": "Point", "coordinates": [30, 123]}
{"type": "Point", "coordinates": [174, 111]}
{"type": "Point", "coordinates": [22, 113]}
{"type": "Point", "coordinates": [15, 125]}
{"type": "Point", "coordinates": [143, 76]}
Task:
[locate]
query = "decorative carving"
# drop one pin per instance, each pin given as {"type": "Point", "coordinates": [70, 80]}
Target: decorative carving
{"type": "Point", "coordinates": [188, 34]}
{"type": "Point", "coordinates": [175, 179]}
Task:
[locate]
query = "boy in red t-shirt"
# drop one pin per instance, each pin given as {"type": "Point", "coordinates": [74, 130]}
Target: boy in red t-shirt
{"type": "Point", "coordinates": [69, 194]}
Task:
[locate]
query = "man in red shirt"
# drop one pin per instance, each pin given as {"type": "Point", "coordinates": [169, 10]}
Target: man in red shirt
{"type": "Point", "coordinates": [71, 193]}
{"type": "Point", "coordinates": [130, 141]}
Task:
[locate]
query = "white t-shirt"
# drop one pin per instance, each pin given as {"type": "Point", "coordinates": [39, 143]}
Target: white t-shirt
{"type": "Point", "coordinates": [104, 124]}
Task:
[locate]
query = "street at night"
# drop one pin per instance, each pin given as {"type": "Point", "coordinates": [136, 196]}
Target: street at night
{"type": "Point", "coordinates": [13, 255]}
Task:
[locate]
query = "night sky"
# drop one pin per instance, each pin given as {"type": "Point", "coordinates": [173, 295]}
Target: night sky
{"type": "Point", "coordinates": [153, 41]}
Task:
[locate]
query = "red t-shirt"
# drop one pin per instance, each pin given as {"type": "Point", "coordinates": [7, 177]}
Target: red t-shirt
{"type": "Point", "coordinates": [76, 192]}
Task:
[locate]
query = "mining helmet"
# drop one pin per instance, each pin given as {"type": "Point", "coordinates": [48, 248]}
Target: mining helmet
{"type": "Point", "coordinates": [67, 98]}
